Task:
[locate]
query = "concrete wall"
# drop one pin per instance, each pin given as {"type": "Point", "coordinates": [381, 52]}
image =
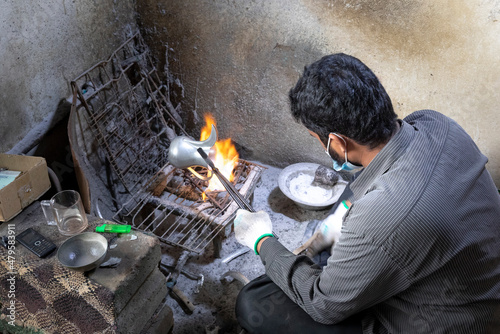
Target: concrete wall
{"type": "Point", "coordinates": [238, 59]}
{"type": "Point", "coordinates": [46, 44]}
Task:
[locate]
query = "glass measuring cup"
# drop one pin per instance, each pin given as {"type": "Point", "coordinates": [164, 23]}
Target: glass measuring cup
{"type": "Point", "coordinates": [65, 209]}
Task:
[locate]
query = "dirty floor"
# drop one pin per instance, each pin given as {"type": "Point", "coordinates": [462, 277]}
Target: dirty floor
{"type": "Point", "coordinates": [215, 300]}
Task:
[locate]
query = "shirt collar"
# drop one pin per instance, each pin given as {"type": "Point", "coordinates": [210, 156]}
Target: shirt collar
{"type": "Point", "coordinates": [383, 161]}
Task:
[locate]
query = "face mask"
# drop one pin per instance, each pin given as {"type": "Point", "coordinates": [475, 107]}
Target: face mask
{"type": "Point", "coordinates": [347, 166]}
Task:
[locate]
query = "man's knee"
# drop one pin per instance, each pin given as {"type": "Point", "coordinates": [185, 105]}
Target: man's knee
{"type": "Point", "coordinates": [258, 302]}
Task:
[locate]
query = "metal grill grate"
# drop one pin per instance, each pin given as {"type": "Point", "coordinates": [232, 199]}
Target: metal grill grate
{"type": "Point", "coordinates": [186, 220]}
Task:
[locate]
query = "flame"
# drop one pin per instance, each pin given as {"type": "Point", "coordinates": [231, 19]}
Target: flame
{"type": "Point", "coordinates": [223, 155]}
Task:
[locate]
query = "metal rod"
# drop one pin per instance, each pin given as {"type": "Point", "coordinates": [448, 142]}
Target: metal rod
{"type": "Point", "coordinates": [235, 254]}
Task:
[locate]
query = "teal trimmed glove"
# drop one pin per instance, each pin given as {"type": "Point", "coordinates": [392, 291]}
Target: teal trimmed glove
{"type": "Point", "coordinates": [328, 232]}
{"type": "Point", "coordinates": [251, 227]}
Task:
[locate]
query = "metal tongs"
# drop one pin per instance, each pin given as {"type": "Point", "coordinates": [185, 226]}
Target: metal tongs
{"type": "Point", "coordinates": [231, 190]}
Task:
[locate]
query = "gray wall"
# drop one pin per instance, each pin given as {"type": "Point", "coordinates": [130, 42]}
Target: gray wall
{"type": "Point", "coordinates": [46, 44]}
{"type": "Point", "coordinates": [238, 59]}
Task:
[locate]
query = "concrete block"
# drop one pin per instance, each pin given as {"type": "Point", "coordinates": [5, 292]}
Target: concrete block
{"type": "Point", "coordinates": [140, 254]}
{"type": "Point", "coordinates": [162, 321]}
{"type": "Point", "coordinates": [143, 304]}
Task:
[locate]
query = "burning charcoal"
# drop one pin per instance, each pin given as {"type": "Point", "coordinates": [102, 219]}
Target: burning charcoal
{"type": "Point", "coordinates": [161, 181]}
{"type": "Point", "coordinates": [159, 185]}
{"type": "Point", "coordinates": [183, 188]}
{"type": "Point", "coordinates": [189, 193]}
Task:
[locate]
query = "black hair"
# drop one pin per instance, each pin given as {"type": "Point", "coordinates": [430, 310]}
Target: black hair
{"type": "Point", "coordinates": [338, 93]}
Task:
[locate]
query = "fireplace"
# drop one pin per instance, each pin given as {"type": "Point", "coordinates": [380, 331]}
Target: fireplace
{"type": "Point", "coordinates": [122, 122]}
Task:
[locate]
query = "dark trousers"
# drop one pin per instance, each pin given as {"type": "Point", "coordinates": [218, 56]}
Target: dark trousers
{"type": "Point", "coordinates": [262, 307]}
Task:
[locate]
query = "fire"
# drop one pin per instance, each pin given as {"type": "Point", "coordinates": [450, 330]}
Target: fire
{"type": "Point", "coordinates": [223, 154]}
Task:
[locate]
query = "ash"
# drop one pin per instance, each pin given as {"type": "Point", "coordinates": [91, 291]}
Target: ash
{"type": "Point", "coordinates": [215, 301]}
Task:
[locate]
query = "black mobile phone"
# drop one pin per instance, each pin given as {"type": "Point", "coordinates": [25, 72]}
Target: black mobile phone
{"type": "Point", "coordinates": [36, 242]}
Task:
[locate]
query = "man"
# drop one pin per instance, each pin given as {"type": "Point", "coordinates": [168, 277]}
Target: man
{"type": "Point", "coordinates": [419, 250]}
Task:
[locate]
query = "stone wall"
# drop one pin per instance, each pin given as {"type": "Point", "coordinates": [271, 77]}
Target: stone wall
{"type": "Point", "coordinates": [238, 59]}
{"type": "Point", "coordinates": [46, 44]}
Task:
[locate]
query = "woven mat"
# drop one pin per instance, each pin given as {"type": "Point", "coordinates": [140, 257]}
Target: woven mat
{"type": "Point", "coordinates": [51, 297]}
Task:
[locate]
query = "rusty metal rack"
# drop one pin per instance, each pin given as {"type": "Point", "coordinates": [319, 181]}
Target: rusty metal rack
{"type": "Point", "coordinates": [132, 122]}
{"type": "Point", "coordinates": [129, 112]}
{"type": "Point", "coordinates": [189, 223]}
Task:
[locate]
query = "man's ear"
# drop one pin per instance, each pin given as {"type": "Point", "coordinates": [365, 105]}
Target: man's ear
{"type": "Point", "coordinates": [337, 143]}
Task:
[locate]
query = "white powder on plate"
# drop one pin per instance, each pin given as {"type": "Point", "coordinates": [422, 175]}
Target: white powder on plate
{"type": "Point", "coordinates": [301, 187]}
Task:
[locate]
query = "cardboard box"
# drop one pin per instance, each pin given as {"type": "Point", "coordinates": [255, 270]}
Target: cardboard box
{"type": "Point", "coordinates": [32, 183]}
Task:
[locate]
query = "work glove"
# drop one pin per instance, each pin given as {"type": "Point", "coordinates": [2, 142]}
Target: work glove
{"type": "Point", "coordinates": [328, 232]}
{"type": "Point", "coordinates": [251, 227]}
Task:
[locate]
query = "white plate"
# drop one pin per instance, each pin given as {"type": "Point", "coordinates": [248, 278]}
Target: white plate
{"type": "Point", "coordinates": [295, 182]}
